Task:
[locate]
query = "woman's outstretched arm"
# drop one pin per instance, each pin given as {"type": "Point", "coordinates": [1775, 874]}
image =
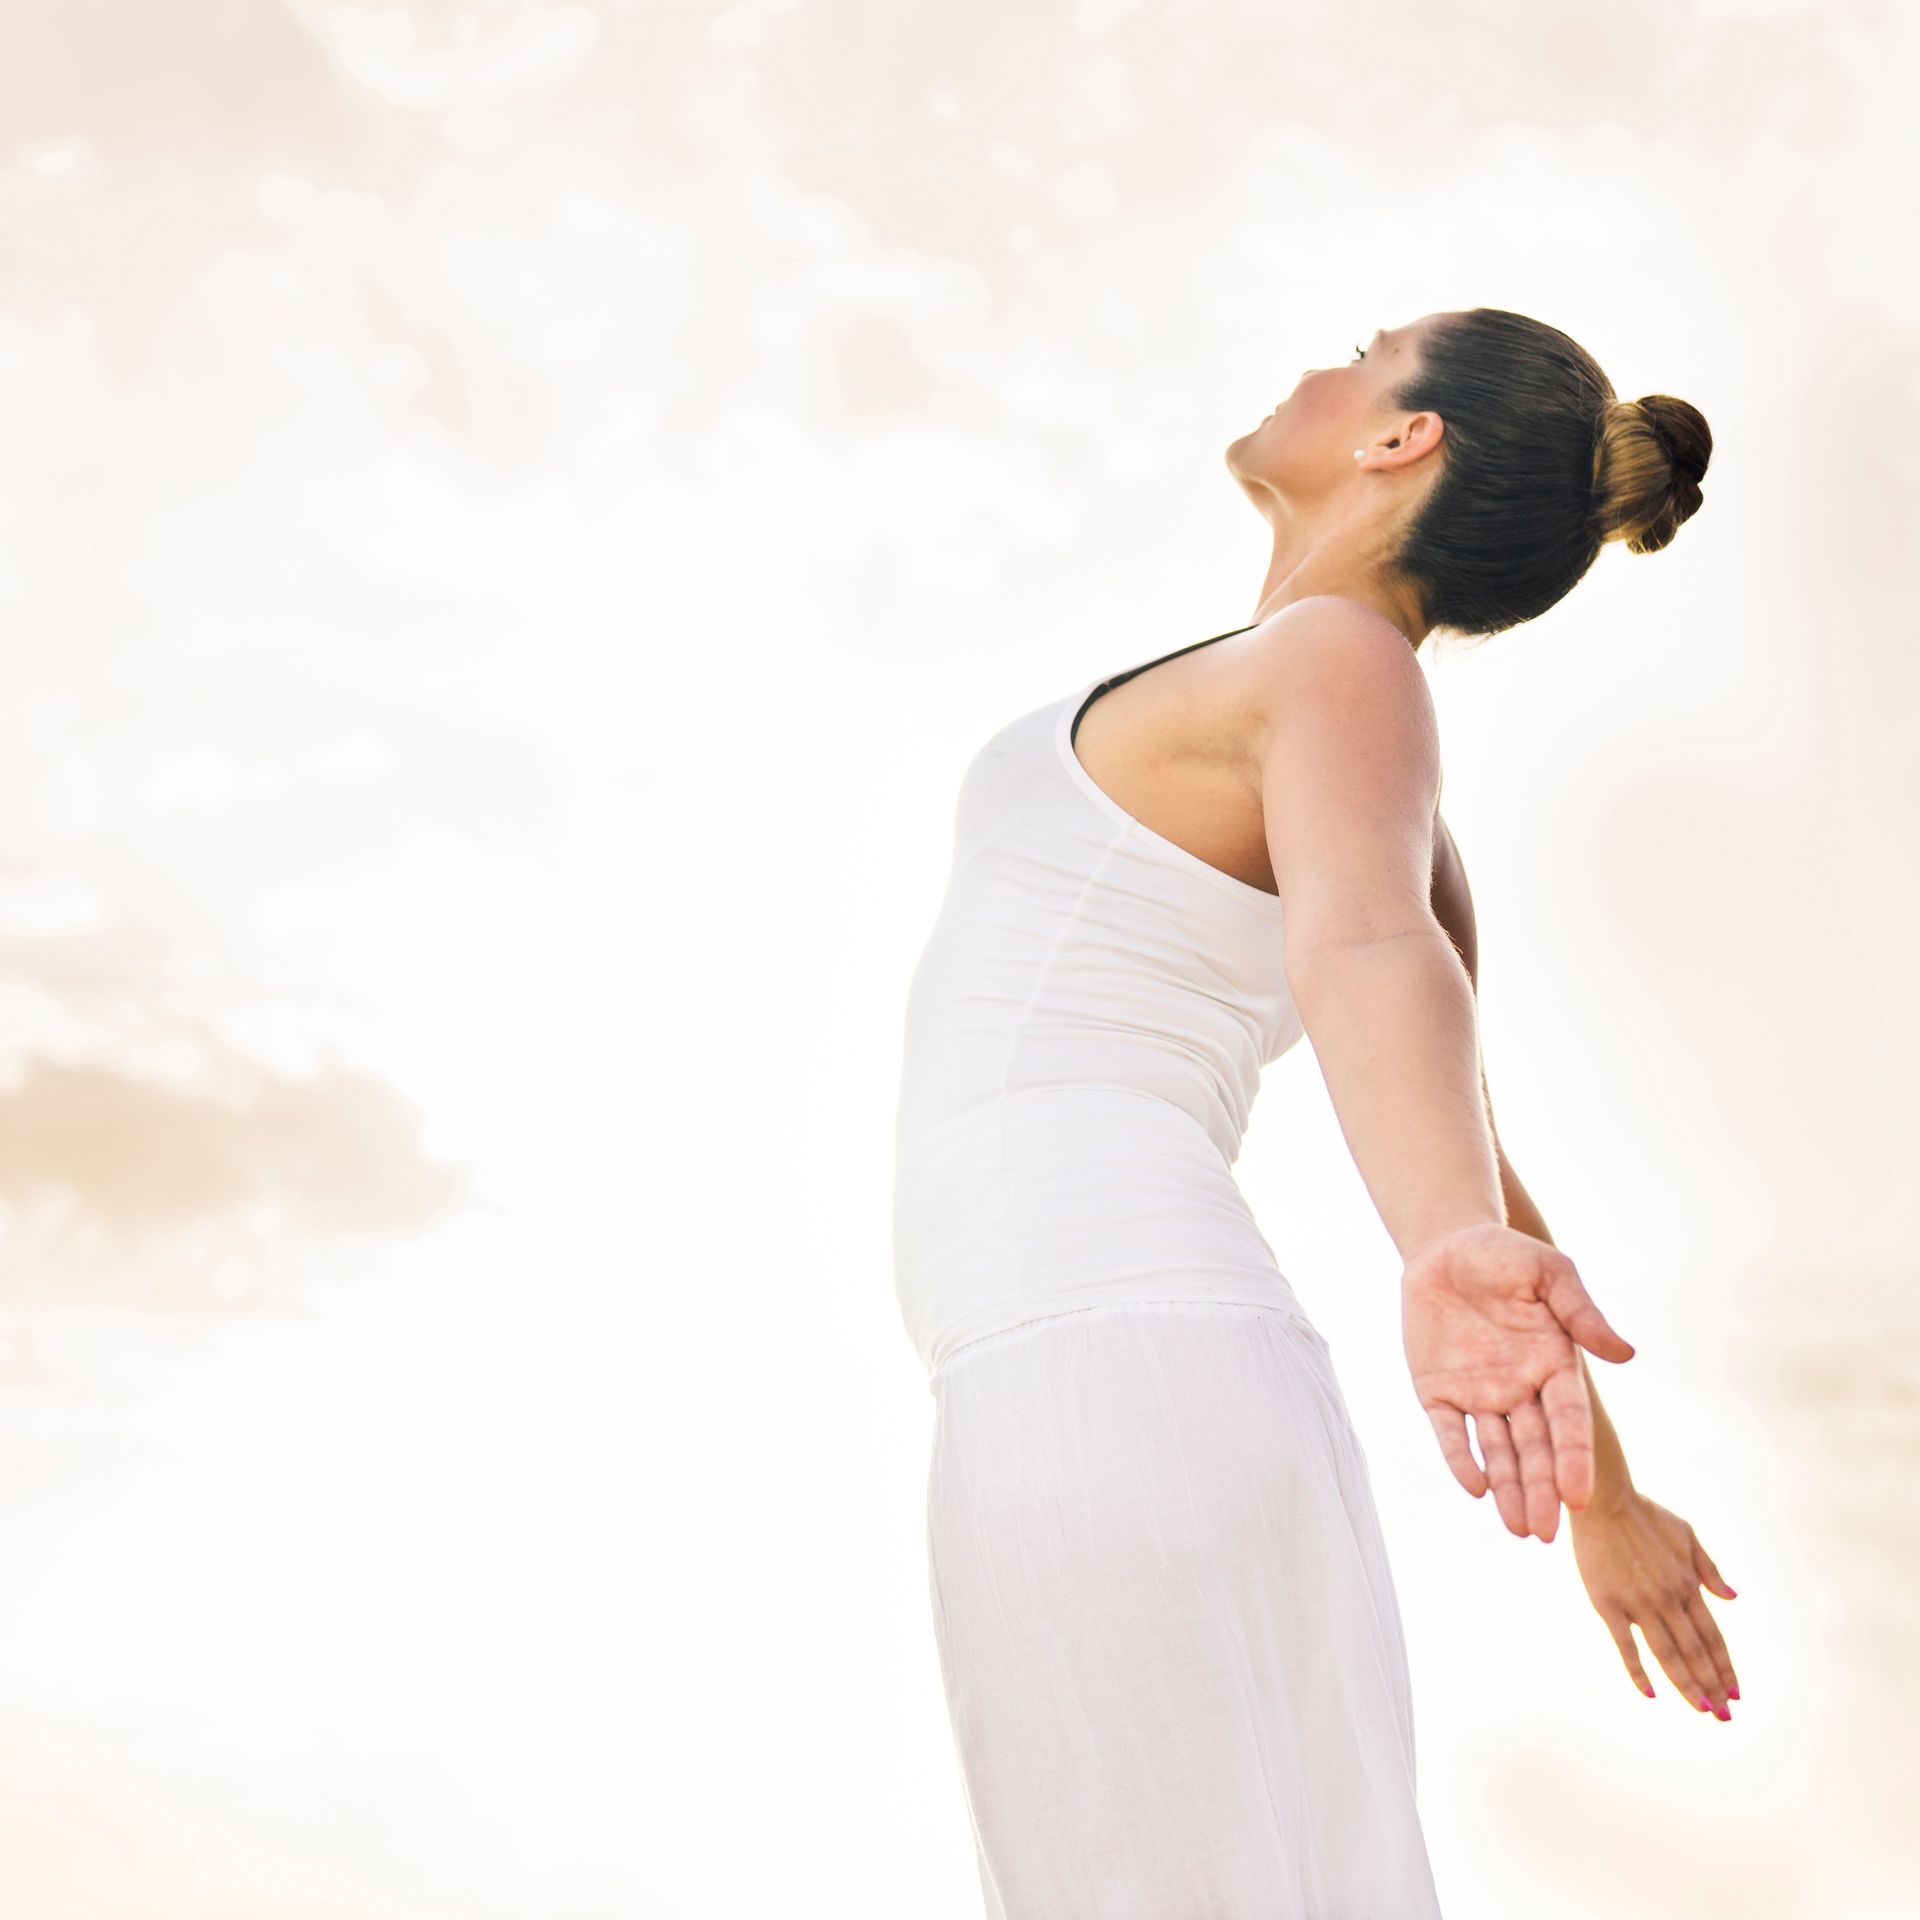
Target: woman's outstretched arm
{"type": "Point", "coordinates": [1343, 749]}
{"type": "Point", "coordinates": [1642, 1565]}
{"type": "Point", "coordinates": [1453, 908]}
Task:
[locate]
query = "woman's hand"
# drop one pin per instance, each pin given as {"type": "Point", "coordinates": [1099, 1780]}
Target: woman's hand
{"type": "Point", "coordinates": [1489, 1317]}
{"type": "Point", "coordinates": [1644, 1567]}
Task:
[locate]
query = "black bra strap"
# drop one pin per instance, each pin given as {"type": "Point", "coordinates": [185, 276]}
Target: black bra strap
{"type": "Point", "coordinates": [1119, 679]}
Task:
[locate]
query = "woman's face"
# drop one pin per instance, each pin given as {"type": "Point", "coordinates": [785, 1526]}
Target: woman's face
{"type": "Point", "coordinates": [1305, 445]}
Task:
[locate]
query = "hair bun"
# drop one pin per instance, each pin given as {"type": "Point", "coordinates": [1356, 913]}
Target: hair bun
{"type": "Point", "coordinates": [1649, 458]}
{"type": "Point", "coordinates": [1682, 431]}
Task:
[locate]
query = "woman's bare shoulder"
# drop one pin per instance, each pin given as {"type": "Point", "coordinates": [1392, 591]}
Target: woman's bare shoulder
{"type": "Point", "coordinates": [1327, 661]}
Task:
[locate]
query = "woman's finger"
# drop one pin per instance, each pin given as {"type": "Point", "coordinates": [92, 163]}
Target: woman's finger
{"type": "Point", "coordinates": [1571, 1304]}
{"type": "Point", "coordinates": [1703, 1565]}
{"type": "Point", "coordinates": [1673, 1662]}
{"type": "Point", "coordinates": [1622, 1630]}
{"type": "Point", "coordinates": [1709, 1630]}
{"type": "Point", "coordinates": [1569, 1420]}
{"type": "Point", "coordinates": [1686, 1635]}
{"type": "Point", "coordinates": [1503, 1469]}
{"type": "Point", "coordinates": [1527, 1426]}
{"type": "Point", "coordinates": [1450, 1429]}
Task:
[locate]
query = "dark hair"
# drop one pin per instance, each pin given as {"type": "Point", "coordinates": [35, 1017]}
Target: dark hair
{"type": "Point", "coordinates": [1541, 465]}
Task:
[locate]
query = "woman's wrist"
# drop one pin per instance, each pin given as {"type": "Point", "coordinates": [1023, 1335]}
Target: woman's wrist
{"type": "Point", "coordinates": [1613, 1493]}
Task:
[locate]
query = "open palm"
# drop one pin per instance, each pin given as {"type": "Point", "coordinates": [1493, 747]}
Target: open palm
{"type": "Point", "coordinates": [1489, 1319]}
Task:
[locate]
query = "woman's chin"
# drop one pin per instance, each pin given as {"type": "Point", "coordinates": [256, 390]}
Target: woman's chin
{"type": "Point", "coordinates": [1252, 434]}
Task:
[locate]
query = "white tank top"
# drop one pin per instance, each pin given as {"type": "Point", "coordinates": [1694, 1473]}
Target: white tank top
{"type": "Point", "coordinates": [1084, 1035]}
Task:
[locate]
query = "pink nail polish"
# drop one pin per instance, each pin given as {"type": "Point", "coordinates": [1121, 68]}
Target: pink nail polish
{"type": "Point", "coordinates": [1648, 1691]}
{"type": "Point", "coordinates": [1733, 1693]}
{"type": "Point", "coordinates": [1706, 1706]}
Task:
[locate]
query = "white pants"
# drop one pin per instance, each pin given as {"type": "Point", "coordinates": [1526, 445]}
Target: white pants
{"type": "Point", "coordinates": [1166, 1624]}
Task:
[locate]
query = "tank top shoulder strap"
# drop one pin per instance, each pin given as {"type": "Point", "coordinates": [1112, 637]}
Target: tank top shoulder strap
{"type": "Point", "coordinates": [1119, 679]}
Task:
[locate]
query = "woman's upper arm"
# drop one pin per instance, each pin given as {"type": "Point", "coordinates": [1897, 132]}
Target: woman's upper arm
{"type": "Point", "coordinates": [1453, 908]}
{"type": "Point", "coordinates": [1349, 761]}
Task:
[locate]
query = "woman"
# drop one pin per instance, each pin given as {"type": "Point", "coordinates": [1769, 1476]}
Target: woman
{"type": "Point", "coordinates": [1166, 1623]}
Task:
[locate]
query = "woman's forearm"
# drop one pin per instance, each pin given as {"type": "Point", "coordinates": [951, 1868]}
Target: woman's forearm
{"type": "Point", "coordinates": [1392, 1024]}
{"type": "Point", "coordinates": [1611, 1480]}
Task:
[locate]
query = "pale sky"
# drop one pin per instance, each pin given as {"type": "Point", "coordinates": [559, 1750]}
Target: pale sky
{"type": "Point", "coordinates": [514, 517]}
